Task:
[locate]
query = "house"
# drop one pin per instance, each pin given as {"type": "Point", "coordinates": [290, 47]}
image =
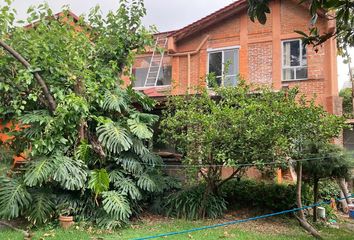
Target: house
{"type": "Point", "coordinates": [230, 45]}
{"type": "Point", "coordinates": [270, 54]}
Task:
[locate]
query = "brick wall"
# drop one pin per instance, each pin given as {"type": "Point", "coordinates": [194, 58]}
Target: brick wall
{"type": "Point", "coordinates": [296, 17]}
{"type": "Point", "coordinates": [256, 30]}
{"type": "Point", "coordinates": [260, 51]}
{"type": "Point", "coordinates": [316, 62]}
{"type": "Point", "coordinates": [260, 63]}
{"type": "Point", "coordinates": [182, 84]}
{"type": "Point", "coordinates": [312, 88]}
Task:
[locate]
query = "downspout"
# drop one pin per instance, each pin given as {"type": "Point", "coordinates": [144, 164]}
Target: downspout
{"type": "Point", "coordinates": [189, 74]}
{"type": "Point", "coordinates": [189, 54]}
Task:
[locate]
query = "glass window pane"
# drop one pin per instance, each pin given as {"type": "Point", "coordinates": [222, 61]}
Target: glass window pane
{"type": "Point", "coordinates": [295, 53]}
{"type": "Point", "coordinates": [165, 76]}
{"type": "Point", "coordinates": [304, 56]}
{"type": "Point", "coordinates": [230, 81]}
{"type": "Point", "coordinates": [140, 76]}
{"type": "Point", "coordinates": [286, 54]}
{"type": "Point", "coordinates": [215, 63]}
{"type": "Point", "coordinates": [301, 73]}
{"type": "Point", "coordinates": [231, 62]}
{"type": "Point", "coordinates": [291, 53]}
{"type": "Point", "coordinates": [288, 74]}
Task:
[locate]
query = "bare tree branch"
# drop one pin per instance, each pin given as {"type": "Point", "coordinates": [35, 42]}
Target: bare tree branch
{"type": "Point", "coordinates": [26, 234]}
{"type": "Point", "coordinates": [230, 177]}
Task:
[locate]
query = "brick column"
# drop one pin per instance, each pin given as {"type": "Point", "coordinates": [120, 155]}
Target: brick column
{"type": "Point", "coordinates": [175, 75]}
{"type": "Point", "coordinates": [276, 24]}
{"type": "Point", "coordinates": [244, 47]}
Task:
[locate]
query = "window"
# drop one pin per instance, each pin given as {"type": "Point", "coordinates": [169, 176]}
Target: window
{"type": "Point", "coordinates": [224, 64]}
{"type": "Point", "coordinates": [140, 73]}
{"type": "Point", "coordinates": [294, 60]}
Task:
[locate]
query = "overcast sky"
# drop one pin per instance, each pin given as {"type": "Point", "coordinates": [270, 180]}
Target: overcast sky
{"type": "Point", "coordinates": [165, 14]}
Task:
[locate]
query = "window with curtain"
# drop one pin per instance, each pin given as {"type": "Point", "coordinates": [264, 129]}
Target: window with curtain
{"type": "Point", "coordinates": [294, 60]}
{"type": "Point", "coordinates": [224, 64]}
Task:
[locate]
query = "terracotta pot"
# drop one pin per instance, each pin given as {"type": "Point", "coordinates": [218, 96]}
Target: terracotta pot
{"type": "Point", "coordinates": [66, 221]}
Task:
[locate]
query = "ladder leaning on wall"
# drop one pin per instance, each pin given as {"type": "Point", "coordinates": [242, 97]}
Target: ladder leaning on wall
{"type": "Point", "coordinates": [156, 62]}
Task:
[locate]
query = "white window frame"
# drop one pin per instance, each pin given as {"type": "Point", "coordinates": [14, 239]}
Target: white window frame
{"type": "Point", "coordinates": [293, 67]}
{"type": "Point", "coordinates": [149, 87]}
{"type": "Point", "coordinates": [223, 50]}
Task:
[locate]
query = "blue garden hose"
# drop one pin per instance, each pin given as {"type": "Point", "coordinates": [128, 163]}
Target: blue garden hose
{"type": "Point", "coordinates": [237, 221]}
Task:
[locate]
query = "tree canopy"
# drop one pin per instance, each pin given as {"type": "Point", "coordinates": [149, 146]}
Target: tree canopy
{"type": "Point", "coordinates": [243, 126]}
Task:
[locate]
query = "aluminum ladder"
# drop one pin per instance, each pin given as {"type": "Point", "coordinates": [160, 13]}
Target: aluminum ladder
{"type": "Point", "coordinates": [156, 62]}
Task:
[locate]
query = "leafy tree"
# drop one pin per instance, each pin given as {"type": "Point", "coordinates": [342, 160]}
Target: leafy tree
{"type": "Point", "coordinates": [346, 94]}
{"type": "Point", "coordinates": [307, 125]}
{"type": "Point", "coordinates": [331, 163]}
{"type": "Point", "coordinates": [242, 126]}
{"type": "Point", "coordinates": [60, 79]}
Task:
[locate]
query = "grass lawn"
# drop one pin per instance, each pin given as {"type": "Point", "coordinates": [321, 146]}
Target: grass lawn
{"type": "Point", "coordinates": [270, 229]}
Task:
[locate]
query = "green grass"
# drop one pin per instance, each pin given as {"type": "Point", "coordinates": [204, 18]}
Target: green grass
{"type": "Point", "coordinates": [280, 229]}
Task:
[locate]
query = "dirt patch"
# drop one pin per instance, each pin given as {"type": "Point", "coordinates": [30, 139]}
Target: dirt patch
{"type": "Point", "coordinates": [270, 226]}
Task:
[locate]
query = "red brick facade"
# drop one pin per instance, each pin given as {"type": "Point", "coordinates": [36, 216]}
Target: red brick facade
{"type": "Point", "coordinates": [260, 50]}
{"type": "Point", "coordinates": [260, 63]}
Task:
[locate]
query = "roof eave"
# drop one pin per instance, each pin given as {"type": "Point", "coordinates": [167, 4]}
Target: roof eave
{"type": "Point", "coordinates": [209, 20]}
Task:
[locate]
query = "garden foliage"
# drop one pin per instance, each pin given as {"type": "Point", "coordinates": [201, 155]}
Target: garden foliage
{"type": "Point", "coordinates": [86, 135]}
{"type": "Point", "coordinates": [244, 126]}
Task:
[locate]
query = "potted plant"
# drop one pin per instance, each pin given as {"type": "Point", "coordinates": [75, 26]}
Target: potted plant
{"type": "Point", "coordinates": [65, 216]}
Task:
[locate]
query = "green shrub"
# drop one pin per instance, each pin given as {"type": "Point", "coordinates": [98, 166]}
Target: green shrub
{"type": "Point", "coordinates": [257, 194]}
{"type": "Point", "coordinates": [327, 189]}
{"type": "Point", "coordinates": [346, 94]}
{"type": "Point", "coordinates": [155, 202]}
{"type": "Point", "coordinates": [189, 204]}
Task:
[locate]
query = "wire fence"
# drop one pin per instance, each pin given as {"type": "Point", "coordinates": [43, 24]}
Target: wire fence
{"type": "Point", "coordinates": [279, 163]}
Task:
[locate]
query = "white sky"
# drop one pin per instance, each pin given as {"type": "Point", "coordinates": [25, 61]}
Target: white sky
{"type": "Point", "coordinates": [165, 14]}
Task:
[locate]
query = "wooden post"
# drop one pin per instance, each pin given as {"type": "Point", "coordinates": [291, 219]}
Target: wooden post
{"type": "Point", "coordinates": [279, 176]}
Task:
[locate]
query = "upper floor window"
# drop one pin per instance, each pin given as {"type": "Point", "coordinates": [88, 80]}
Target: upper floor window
{"type": "Point", "coordinates": [140, 71]}
{"type": "Point", "coordinates": [294, 60]}
{"type": "Point", "coordinates": [224, 64]}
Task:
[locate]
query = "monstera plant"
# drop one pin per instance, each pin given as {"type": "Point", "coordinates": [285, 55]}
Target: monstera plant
{"type": "Point", "coordinates": [87, 136]}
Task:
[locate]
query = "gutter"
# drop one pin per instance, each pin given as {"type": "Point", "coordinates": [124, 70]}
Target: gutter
{"type": "Point", "coordinates": [189, 54]}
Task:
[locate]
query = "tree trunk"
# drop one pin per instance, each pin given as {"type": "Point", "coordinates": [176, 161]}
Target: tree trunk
{"type": "Point", "coordinates": [81, 130]}
{"type": "Point", "coordinates": [212, 176]}
{"type": "Point", "coordinates": [315, 198]}
{"type": "Point", "coordinates": [50, 99]}
{"type": "Point", "coordinates": [344, 188]}
{"type": "Point", "coordinates": [308, 227]}
{"type": "Point", "coordinates": [293, 173]}
{"type": "Point", "coordinates": [299, 190]}
{"type": "Point", "coordinates": [343, 202]}
{"type": "Point", "coordinates": [301, 218]}
{"type": "Point", "coordinates": [210, 189]}
{"type": "Point", "coordinates": [96, 146]}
